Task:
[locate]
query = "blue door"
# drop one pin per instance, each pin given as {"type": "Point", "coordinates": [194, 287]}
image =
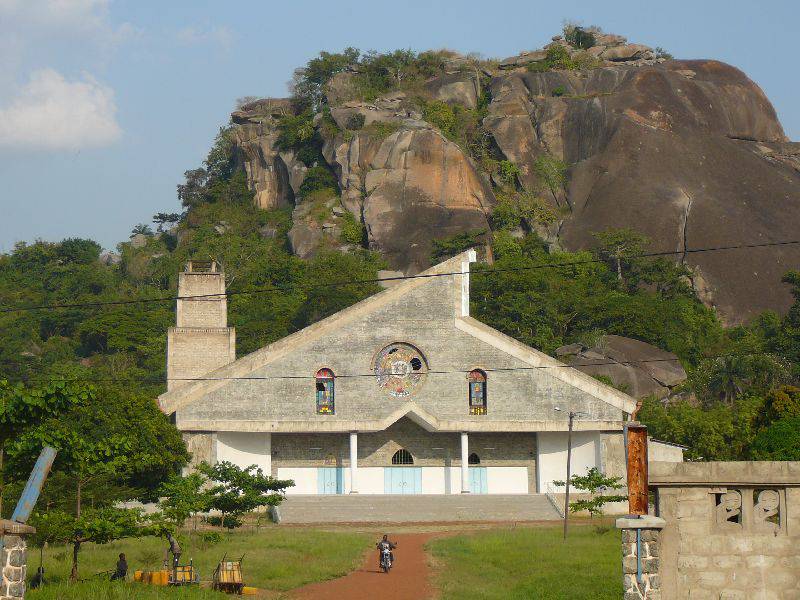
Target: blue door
{"type": "Point", "coordinates": [330, 480]}
{"type": "Point", "coordinates": [402, 480]}
{"type": "Point", "coordinates": [477, 480]}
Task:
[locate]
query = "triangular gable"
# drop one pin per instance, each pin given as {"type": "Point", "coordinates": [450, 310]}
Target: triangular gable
{"type": "Point", "coordinates": [175, 399]}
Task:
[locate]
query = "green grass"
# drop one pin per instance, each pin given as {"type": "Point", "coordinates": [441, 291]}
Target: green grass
{"type": "Point", "coordinates": [276, 558]}
{"type": "Point", "coordinates": [525, 563]}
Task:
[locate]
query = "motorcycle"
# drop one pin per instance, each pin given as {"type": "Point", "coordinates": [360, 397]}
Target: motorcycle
{"type": "Point", "coordinates": [386, 559]}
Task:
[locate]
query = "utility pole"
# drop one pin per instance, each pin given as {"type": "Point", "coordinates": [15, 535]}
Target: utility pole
{"type": "Point", "coordinates": [569, 460]}
{"type": "Point", "coordinates": [572, 415]}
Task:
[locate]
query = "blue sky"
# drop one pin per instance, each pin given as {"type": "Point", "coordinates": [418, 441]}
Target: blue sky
{"type": "Point", "coordinates": [105, 103]}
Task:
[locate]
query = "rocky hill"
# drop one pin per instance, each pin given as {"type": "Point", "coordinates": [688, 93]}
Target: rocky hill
{"type": "Point", "coordinates": [587, 134]}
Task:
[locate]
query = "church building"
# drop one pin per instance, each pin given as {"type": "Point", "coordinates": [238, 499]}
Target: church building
{"type": "Point", "coordinates": [402, 393]}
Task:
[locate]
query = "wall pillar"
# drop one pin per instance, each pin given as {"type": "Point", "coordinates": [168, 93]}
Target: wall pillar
{"type": "Point", "coordinates": [353, 462]}
{"type": "Point", "coordinates": [13, 559]}
{"type": "Point", "coordinates": [464, 463]}
{"type": "Point", "coordinates": [641, 557]}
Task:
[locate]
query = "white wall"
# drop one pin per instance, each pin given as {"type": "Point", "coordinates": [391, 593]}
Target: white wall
{"type": "Point", "coordinates": [306, 480]}
{"type": "Point", "coordinates": [244, 449]}
{"type": "Point", "coordinates": [551, 463]}
{"type": "Point", "coordinates": [370, 480]}
{"type": "Point", "coordinates": [507, 480]}
{"type": "Point", "coordinates": [661, 451]}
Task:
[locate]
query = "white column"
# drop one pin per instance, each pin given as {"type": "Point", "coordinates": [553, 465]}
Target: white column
{"type": "Point", "coordinates": [464, 463]}
{"type": "Point", "coordinates": [353, 462]}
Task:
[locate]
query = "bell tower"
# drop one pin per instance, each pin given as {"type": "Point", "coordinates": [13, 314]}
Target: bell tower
{"type": "Point", "coordinates": [201, 341]}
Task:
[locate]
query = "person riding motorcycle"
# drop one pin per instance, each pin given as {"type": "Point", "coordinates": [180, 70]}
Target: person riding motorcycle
{"type": "Point", "coordinates": [384, 543]}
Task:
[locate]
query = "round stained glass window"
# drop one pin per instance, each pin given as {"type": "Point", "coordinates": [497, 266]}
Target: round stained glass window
{"type": "Point", "coordinates": [399, 368]}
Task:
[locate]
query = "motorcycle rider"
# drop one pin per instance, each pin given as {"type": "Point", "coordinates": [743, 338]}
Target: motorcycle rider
{"type": "Point", "coordinates": [383, 544]}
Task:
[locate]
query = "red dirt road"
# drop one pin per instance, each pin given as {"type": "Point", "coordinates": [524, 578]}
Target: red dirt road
{"type": "Point", "coordinates": [409, 579]}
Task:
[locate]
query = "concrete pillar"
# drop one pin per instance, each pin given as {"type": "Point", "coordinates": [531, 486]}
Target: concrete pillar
{"type": "Point", "coordinates": [13, 559]}
{"type": "Point", "coordinates": [464, 463]}
{"type": "Point", "coordinates": [353, 462]}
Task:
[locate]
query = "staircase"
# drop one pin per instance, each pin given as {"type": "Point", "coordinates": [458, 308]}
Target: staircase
{"type": "Point", "coordinates": [357, 508]}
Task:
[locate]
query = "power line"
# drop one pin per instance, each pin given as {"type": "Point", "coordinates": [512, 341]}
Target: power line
{"type": "Point", "coordinates": [378, 280]}
{"type": "Point", "coordinates": [372, 374]}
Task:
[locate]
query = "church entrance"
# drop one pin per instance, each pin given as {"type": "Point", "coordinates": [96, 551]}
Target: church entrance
{"type": "Point", "coordinates": [330, 480]}
{"type": "Point", "coordinates": [402, 480]}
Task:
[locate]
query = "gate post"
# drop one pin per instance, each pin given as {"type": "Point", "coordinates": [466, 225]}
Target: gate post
{"type": "Point", "coordinates": [13, 559]}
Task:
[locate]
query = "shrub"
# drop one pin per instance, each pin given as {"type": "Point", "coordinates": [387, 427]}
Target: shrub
{"type": "Point", "coordinates": [355, 121]}
{"type": "Point", "coordinates": [507, 171]}
{"type": "Point", "coordinates": [780, 441]}
{"type": "Point", "coordinates": [381, 129]}
{"type": "Point", "coordinates": [578, 37]}
{"type": "Point", "coordinates": [444, 248]}
{"type": "Point", "coordinates": [318, 178]}
{"type": "Point", "coordinates": [558, 91]}
{"type": "Point", "coordinates": [661, 53]}
{"type": "Point", "coordinates": [441, 115]}
{"type": "Point", "coordinates": [551, 171]}
{"type": "Point", "coordinates": [352, 230]}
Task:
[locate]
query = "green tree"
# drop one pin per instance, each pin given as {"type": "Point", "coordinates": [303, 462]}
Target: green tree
{"type": "Point", "coordinates": [595, 484]}
{"type": "Point", "coordinates": [23, 408]}
{"type": "Point", "coordinates": [622, 248]}
{"type": "Point", "coordinates": [237, 491]}
{"type": "Point", "coordinates": [95, 525]}
{"type": "Point", "coordinates": [779, 441]}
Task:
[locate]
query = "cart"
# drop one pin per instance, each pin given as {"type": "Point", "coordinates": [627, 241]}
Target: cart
{"type": "Point", "coordinates": [228, 576]}
{"type": "Point", "coordinates": [184, 575]}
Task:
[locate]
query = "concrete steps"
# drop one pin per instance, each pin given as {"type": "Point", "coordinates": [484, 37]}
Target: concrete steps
{"type": "Point", "coordinates": [358, 508]}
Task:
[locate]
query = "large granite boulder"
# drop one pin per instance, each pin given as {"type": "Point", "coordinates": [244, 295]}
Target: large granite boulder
{"type": "Point", "coordinates": [639, 368]}
{"type": "Point", "coordinates": [690, 153]}
{"type": "Point", "coordinates": [410, 188]}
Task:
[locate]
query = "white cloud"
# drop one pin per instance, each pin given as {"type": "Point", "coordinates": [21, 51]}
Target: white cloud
{"type": "Point", "coordinates": [192, 35]}
{"type": "Point", "coordinates": [52, 113]}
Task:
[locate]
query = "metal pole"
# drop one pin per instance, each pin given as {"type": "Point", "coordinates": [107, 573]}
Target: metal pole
{"type": "Point", "coordinates": [569, 458]}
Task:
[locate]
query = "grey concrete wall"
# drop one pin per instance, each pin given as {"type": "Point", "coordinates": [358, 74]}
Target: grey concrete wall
{"type": "Point", "coordinates": [709, 551]}
{"type": "Point", "coordinates": [424, 317]}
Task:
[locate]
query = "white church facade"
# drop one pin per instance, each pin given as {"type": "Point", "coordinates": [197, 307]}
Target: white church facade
{"type": "Point", "coordinates": [402, 393]}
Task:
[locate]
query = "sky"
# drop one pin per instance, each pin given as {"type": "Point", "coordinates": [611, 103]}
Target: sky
{"type": "Point", "coordinates": [105, 103]}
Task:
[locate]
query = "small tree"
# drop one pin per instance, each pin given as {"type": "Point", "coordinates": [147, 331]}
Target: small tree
{"type": "Point", "coordinates": [141, 228]}
{"type": "Point", "coordinates": [97, 525]}
{"type": "Point", "coordinates": [236, 491]}
{"type": "Point", "coordinates": [621, 248]}
{"type": "Point", "coordinates": [596, 484]}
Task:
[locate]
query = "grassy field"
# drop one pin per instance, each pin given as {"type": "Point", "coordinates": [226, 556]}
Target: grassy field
{"type": "Point", "coordinates": [526, 563]}
{"type": "Point", "coordinates": [276, 558]}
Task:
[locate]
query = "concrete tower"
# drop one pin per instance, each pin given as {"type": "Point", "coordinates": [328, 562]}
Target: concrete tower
{"type": "Point", "coordinates": [201, 341]}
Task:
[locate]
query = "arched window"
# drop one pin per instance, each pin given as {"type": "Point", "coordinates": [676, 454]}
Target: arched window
{"type": "Point", "coordinates": [477, 392]}
{"type": "Point", "coordinates": [325, 395]}
{"type": "Point", "coordinates": [402, 457]}
{"type": "Point", "coordinates": [474, 459]}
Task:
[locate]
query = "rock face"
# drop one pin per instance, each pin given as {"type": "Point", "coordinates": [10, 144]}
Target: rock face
{"type": "Point", "coordinates": [637, 367]}
{"type": "Point", "coordinates": [690, 153]}
{"type": "Point", "coordinates": [270, 173]}
{"type": "Point", "coordinates": [409, 188]}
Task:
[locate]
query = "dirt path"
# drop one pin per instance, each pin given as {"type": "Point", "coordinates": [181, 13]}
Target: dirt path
{"type": "Point", "coordinates": [409, 579]}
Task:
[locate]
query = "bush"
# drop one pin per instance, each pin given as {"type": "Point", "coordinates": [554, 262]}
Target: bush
{"type": "Point", "coordinates": [353, 231]}
{"type": "Point", "coordinates": [355, 121]}
{"type": "Point", "coordinates": [779, 441]}
{"type": "Point", "coordinates": [507, 171]}
{"type": "Point", "coordinates": [318, 178]}
{"type": "Point", "coordinates": [551, 171]}
{"type": "Point", "coordinates": [381, 129]}
{"type": "Point", "coordinates": [578, 37]}
{"type": "Point", "coordinates": [558, 91]}
{"type": "Point", "coordinates": [441, 115]}
{"type": "Point", "coordinates": [445, 248]}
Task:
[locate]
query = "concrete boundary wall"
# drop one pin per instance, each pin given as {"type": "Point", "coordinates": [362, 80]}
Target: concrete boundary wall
{"type": "Point", "coordinates": [731, 530]}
